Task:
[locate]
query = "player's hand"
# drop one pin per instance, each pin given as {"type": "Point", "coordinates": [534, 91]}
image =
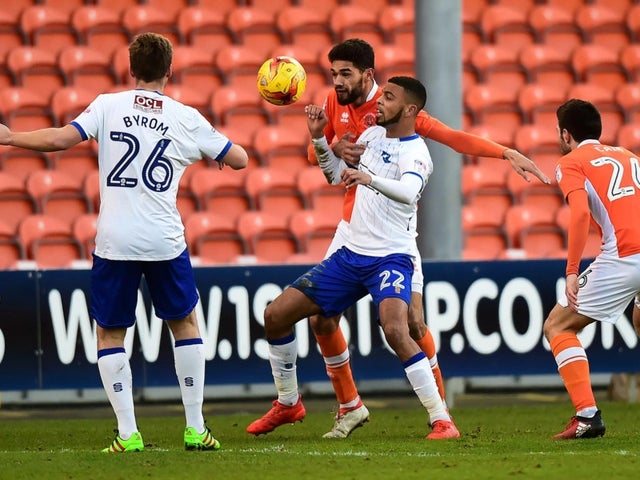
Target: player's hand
{"type": "Point", "coordinates": [4, 134]}
{"type": "Point", "coordinates": [347, 150]}
{"type": "Point", "coordinates": [571, 291]}
{"type": "Point", "coordinates": [522, 165]}
{"type": "Point", "coordinates": [353, 177]}
{"type": "Point", "coordinates": [316, 120]}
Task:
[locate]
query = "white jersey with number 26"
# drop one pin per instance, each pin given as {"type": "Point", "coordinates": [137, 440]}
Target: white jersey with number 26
{"type": "Point", "coordinates": [146, 140]}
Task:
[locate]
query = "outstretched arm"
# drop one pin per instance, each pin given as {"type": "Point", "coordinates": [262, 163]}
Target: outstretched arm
{"type": "Point", "coordinates": [469, 144]}
{"type": "Point", "coordinates": [331, 165]}
{"type": "Point", "coordinates": [43, 140]}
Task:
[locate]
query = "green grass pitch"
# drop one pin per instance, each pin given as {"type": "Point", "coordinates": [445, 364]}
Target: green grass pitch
{"type": "Point", "coordinates": [501, 441]}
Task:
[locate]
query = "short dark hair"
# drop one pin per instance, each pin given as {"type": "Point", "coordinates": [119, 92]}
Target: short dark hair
{"type": "Point", "coordinates": [354, 50]}
{"type": "Point", "coordinates": [150, 56]}
{"type": "Point", "coordinates": [412, 87]}
{"type": "Point", "coordinates": [581, 119]}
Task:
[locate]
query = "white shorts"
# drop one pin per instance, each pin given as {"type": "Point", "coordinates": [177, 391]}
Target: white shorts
{"type": "Point", "coordinates": [607, 286]}
{"type": "Point", "coordinates": [340, 239]}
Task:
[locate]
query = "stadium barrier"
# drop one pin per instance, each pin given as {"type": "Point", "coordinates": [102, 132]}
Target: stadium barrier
{"type": "Point", "coordinates": [486, 318]}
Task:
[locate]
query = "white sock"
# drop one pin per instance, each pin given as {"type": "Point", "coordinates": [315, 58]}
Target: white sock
{"type": "Point", "coordinates": [282, 357]}
{"type": "Point", "coordinates": [588, 412]}
{"type": "Point", "coordinates": [421, 378]}
{"type": "Point", "coordinates": [115, 373]}
{"type": "Point", "coordinates": [189, 362]}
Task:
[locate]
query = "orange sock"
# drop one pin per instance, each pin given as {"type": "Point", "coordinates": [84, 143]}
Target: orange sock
{"type": "Point", "coordinates": [427, 345]}
{"type": "Point", "coordinates": [336, 358]}
{"type": "Point", "coordinates": [573, 367]}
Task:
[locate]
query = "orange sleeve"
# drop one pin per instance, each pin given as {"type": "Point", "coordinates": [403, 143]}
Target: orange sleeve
{"type": "Point", "coordinates": [579, 223]}
{"type": "Point", "coordinates": [461, 142]}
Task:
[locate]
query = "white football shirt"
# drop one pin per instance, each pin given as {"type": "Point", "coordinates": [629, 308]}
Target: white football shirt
{"type": "Point", "coordinates": [379, 225]}
{"type": "Point", "coordinates": [146, 140]}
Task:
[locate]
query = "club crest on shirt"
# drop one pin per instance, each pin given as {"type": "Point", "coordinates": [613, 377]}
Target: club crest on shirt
{"type": "Point", "coordinates": [147, 105]}
{"type": "Point", "coordinates": [369, 119]}
{"type": "Point", "coordinates": [558, 174]}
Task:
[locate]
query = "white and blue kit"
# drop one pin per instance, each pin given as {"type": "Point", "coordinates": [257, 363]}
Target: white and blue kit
{"type": "Point", "coordinates": [377, 256]}
{"type": "Point", "coordinates": [146, 140]}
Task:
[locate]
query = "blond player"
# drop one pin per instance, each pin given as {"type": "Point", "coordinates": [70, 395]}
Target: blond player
{"type": "Point", "coordinates": [601, 183]}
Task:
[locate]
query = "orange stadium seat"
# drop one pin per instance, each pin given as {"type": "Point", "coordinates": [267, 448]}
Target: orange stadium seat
{"type": "Point", "coordinates": [11, 250]}
{"type": "Point", "coordinates": [536, 138]}
{"type": "Point", "coordinates": [554, 26]}
{"type": "Point", "coordinates": [120, 66]}
{"type": "Point", "coordinates": [86, 67]}
{"type": "Point", "coordinates": [15, 201]}
{"type": "Point", "coordinates": [398, 25]}
{"type": "Point", "coordinates": [10, 34]}
{"type": "Point", "coordinates": [305, 26]}
{"type": "Point", "coordinates": [632, 20]}
{"type": "Point", "coordinates": [145, 18]}
{"type": "Point", "coordinates": [36, 69]}
{"type": "Point", "coordinates": [485, 186]}
{"type": "Point", "coordinates": [23, 109]}
{"type": "Point", "coordinates": [76, 162]}
{"type": "Point", "coordinates": [189, 96]}
{"type": "Point", "coordinates": [499, 66]}
{"type": "Point", "coordinates": [194, 67]}
{"type": "Point", "coordinates": [598, 64]}
{"type": "Point", "coordinates": [221, 191]}
{"type": "Point", "coordinates": [539, 102]}
{"type": "Point", "coordinates": [254, 28]}
{"type": "Point", "coordinates": [84, 230]}
{"type": "Point", "coordinates": [594, 240]}
{"type": "Point", "coordinates": [536, 193]}
{"type": "Point", "coordinates": [571, 5]}
{"type": "Point", "coordinates": [172, 7]}
{"type": "Point", "coordinates": [483, 235]}
{"type": "Point", "coordinates": [317, 192]}
{"type": "Point", "coordinates": [603, 25]}
{"type": "Point", "coordinates": [314, 230]}
{"type": "Point", "coordinates": [348, 21]}
{"type": "Point", "coordinates": [58, 195]}
{"type": "Point", "coordinates": [393, 59]}
{"type": "Point", "coordinates": [47, 27]}
{"type": "Point", "coordinates": [629, 137]}
{"type": "Point", "coordinates": [603, 98]}
{"type": "Point", "coordinates": [471, 33]}
{"type": "Point", "coordinates": [283, 147]}
{"type": "Point", "coordinates": [322, 9]}
{"type": "Point", "coordinates": [68, 102]}
{"type": "Point", "coordinates": [506, 26]}
{"type": "Point", "coordinates": [100, 28]}
{"type": "Point", "coordinates": [214, 238]}
{"type": "Point", "coordinates": [493, 104]}
{"type": "Point", "coordinates": [20, 162]}
{"type": "Point", "coordinates": [628, 99]}
{"type": "Point", "coordinates": [203, 27]}
{"type": "Point", "coordinates": [547, 64]}
{"type": "Point", "coordinates": [268, 236]}
{"type": "Point", "coordinates": [49, 241]}
{"type": "Point", "coordinates": [495, 133]}
{"type": "Point", "coordinates": [239, 65]}
{"type": "Point", "coordinates": [273, 191]}
{"type": "Point", "coordinates": [630, 61]}
{"type": "Point", "coordinates": [238, 107]}
{"type": "Point", "coordinates": [271, 6]}
{"type": "Point", "coordinates": [534, 230]}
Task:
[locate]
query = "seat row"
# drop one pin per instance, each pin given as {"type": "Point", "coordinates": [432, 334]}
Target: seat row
{"type": "Point", "coordinates": [526, 231]}
{"type": "Point", "coordinates": [565, 24]}
{"type": "Point", "coordinates": [258, 27]}
{"type": "Point", "coordinates": [44, 241]}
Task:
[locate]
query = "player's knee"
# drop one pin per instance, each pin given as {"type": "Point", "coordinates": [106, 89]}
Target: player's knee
{"type": "Point", "coordinates": [322, 325]}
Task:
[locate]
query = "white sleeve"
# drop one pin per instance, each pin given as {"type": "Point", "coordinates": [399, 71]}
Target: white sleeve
{"type": "Point", "coordinates": [404, 190]}
{"type": "Point", "coordinates": [331, 165]}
